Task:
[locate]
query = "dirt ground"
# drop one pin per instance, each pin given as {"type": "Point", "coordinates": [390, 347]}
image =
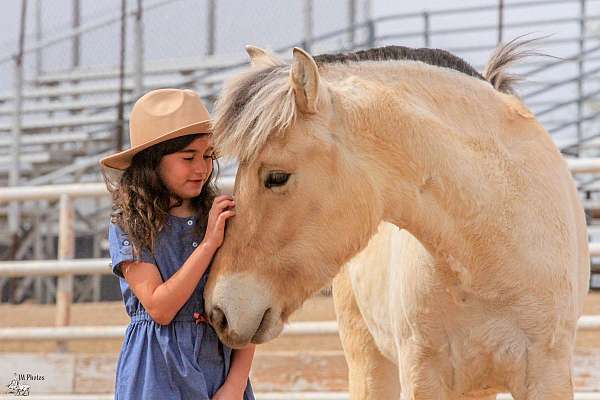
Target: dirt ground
{"type": "Point", "coordinates": [319, 308]}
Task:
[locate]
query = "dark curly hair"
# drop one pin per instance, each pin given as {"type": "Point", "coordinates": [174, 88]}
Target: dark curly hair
{"type": "Point", "coordinates": [141, 201]}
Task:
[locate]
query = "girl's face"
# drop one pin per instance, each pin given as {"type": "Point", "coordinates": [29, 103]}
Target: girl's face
{"type": "Point", "coordinates": [185, 172]}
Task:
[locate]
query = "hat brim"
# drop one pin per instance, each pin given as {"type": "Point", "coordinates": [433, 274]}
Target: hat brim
{"type": "Point", "coordinates": [122, 160]}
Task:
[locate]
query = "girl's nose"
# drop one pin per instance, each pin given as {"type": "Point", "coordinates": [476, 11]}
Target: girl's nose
{"type": "Point", "coordinates": [201, 167]}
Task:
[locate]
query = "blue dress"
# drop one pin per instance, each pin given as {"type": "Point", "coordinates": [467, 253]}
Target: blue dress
{"type": "Point", "coordinates": [181, 360]}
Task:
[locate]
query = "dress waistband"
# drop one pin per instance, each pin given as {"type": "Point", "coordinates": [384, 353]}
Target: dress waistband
{"type": "Point", "coordinates": [180, 317]}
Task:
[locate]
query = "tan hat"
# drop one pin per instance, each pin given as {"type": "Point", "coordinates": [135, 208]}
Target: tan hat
{"type": "Point", "coordinates": [161, 115]}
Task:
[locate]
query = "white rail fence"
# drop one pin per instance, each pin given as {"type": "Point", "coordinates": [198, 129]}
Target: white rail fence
{"type": "Point", "coordinates": [65, 267]}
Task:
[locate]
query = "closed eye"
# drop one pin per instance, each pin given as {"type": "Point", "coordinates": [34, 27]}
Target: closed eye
{"type": "Point", "coordinates": [276, 178]}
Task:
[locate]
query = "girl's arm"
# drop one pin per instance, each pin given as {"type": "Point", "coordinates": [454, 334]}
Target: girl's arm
{"type": "Point", "coordinates": [162, 300]}
{"type": "Point", "coordinates": [241, 361]}
{"type": "Point", "coordinates": [237, 378]}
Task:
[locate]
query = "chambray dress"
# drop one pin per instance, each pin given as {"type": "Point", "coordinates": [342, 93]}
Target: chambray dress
{"type": "Point", "coordinates": [182, 360]}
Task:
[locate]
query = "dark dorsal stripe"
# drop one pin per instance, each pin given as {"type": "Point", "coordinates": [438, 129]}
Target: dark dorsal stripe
{"type": "Point", "coordinates": [437, 57]}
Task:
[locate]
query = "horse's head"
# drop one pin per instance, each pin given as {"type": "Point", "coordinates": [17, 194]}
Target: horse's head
{"type": "Point", "coordinates": [304, 205]}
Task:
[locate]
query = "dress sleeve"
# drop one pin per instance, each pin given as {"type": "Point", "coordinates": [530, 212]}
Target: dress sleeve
{"type": "Point", "coordinates": [121, 249]}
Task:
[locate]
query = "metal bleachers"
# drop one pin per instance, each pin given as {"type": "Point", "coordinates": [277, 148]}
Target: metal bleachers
{"type": "Point", "coordinates": [69, 117]}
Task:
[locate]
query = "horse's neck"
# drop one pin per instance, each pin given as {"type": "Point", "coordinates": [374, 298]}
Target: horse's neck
{"type": "Point", "coordinates": [437, 166]}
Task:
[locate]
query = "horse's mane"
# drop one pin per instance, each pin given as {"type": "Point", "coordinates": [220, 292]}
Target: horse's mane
{"type": "Point", "coordinates": [437, 57]}
{"type": "Point", "coordinates": [503, 57]}
{"type": "Point", "coordinates": [260, 102]}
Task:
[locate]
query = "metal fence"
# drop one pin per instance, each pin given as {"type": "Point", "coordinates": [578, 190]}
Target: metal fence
{"type": "Point", "coordinates": [66, 111]}
{"type": "Point", "coordinates": [65, 266]}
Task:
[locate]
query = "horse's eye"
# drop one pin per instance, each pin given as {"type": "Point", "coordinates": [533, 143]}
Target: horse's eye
{"type": "Point", "coordinates": [276, 179]}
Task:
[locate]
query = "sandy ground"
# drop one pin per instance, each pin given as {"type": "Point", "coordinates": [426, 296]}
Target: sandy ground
{"type": "Point", "coordinates": [319, 308]}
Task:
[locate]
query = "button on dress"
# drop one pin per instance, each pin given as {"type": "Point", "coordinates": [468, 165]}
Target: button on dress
{"type": "Point", "coordinates": [181, 360]}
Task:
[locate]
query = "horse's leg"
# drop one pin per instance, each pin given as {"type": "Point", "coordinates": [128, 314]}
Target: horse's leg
{"type": "Point", "coordinates": [371, 375]}
{"type": "Point", "coordinates": [548, 375]}
{"type": "Point", "coordinates": [425, 373]}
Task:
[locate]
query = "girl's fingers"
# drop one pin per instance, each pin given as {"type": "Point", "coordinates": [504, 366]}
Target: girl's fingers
{"type": "Point", "coordinates": [218, 208]}
{"type": "Point", "coordinates": [223, 206]}
{"type": "Point", "coordinates": [224, 201]}
{"type": "Point", "coordinates": [227, 214]}
{"type": "Point", "coordinates": [222, 197]}
{"type": "Point", "coordinates": [224, 216]}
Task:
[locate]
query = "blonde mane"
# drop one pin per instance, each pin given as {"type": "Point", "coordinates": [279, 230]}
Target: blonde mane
{"type": "Point", "coordinates": [251, 107]}
{"type": "Point", "coordinates": [260, 102]}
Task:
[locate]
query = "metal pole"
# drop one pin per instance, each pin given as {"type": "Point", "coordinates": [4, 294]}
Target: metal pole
{"type": "Point", "coordinates": [368, 11]}
{"type": "Point", "coordinates": [66, 251]}
{"type": "Point", "coordinates": [580, 71]}
{"type": "Point", "coordinates": [426, 29]}
{"type": "Point", "coordinates": [14, 172]}
{"type": "Point", "coordinates": [138, 43]}
{"type": "Point", "coordinates": [97, 238]}
{"type": "Point", "coordinates": [38, 37]}
{"type": "Point", "coordinates": [211, 26]}
{"type": "Point", "coordinates": [38, 250]}
{"type": "Point", "coordinates": [75, 50]}
{"type": "Point", "coordinates": [500, 20]}
{"type": "Point", "coordinates": [308, 23]}
{"type": "Point", "coordinates": [120, 128]}
{"type": "Point", "coordinates": [351, 22]}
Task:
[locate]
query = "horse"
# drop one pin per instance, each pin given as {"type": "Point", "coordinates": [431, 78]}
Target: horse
{"type": "Point", "coordinates": [429, 194]}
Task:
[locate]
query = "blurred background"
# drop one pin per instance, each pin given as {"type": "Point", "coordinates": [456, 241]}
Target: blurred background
{"type": "Point", "coordinates": [70, 71]}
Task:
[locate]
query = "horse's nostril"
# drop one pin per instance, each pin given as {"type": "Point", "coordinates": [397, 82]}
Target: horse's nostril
{"type": "Point", "coordinates": [217, 318]}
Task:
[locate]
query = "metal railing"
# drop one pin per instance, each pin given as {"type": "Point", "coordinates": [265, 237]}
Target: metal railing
{"type": "Point", "coordinates": [65, 267]}
{"type": "Point", "coordinates": [95, 118]}
{"type": "Point", "coordinates": [209, 71]}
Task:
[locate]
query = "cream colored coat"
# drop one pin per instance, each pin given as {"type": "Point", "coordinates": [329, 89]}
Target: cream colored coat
{"type": "Point", "coordinates": [485, 301]}
{"type": "Point", "coordinates": [401, 317]}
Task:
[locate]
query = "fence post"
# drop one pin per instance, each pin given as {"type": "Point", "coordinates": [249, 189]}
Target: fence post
{"type": "Point", "coordinates": [66, 251]}
{"type": "Point", "coordinates": [76, 44]}
{"type": "Point", "coordinates": [308, 25]}
{"type": "Point", "coordinates": [211, 26]}
{"type": "Point", "coordinates": [38, 38]}
{"type": "Point", "coordinates": [138, 43]}
{"type": "Point", "coordinates": [580, 71]}
{"type": "Point", "coordinates": [500, 20]}
{"type": "Point", "coordinates": [351, 23]}
{"type": "Point", "coordinates": [371, 33]}
{"type": "Point", "coordinates": [426, 29]}
{"type": "Point", "coordinates": [14, 172]}
{"type": "Point", "coordinates": [120, 126]}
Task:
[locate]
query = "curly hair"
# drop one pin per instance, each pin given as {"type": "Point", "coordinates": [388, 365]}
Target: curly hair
{"type": "Point", "coordinates": [141, 201]}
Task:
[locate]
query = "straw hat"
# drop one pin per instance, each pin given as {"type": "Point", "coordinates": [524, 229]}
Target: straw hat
{"type": "Point", "coordinates": [161, 115]}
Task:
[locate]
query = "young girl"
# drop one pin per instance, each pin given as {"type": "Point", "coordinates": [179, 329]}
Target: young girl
{"type": "Point", "coordinates": [163, 234]}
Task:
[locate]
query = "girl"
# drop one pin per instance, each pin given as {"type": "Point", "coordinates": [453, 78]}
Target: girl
{"type": "Point", "coordinates": [162, 237]}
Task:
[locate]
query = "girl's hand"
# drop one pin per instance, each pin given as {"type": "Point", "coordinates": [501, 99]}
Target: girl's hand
{"type": "Point", "coordinates": [221, 210]}
{"type": "Point", "coordinates": [230, 391]}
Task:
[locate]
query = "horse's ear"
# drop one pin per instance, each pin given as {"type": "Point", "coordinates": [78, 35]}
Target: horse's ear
{"type": "Point", "coordinates": [304, 77]}
{"type": "Point", "coordinates": [261, 58]}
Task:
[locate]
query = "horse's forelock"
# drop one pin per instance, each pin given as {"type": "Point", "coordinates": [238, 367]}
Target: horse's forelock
{"type": "Point", "coordinates": [252, 107]}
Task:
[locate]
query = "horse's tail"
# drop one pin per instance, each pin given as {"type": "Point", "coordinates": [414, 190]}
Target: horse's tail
{"type": "Point", "coordinates": [495, 71]}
